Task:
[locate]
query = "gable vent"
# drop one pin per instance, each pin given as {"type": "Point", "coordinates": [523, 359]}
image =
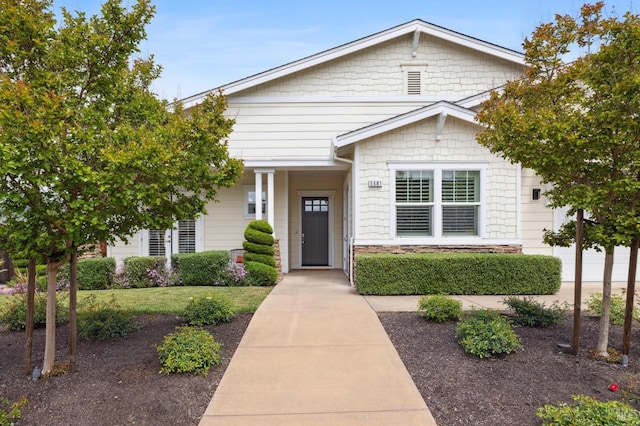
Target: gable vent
{"type": "Point", "coordinates": [413, 83]}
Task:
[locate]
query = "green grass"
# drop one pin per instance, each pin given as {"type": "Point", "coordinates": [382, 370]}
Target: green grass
{"type": "Point", "coordinates": [169, 300]}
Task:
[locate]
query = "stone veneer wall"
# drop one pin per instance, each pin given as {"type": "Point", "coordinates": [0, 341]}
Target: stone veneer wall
{"type": "Point", "coordinates": [278, 257]}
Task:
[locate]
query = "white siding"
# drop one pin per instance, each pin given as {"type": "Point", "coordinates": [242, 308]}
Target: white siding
{"type": "Point", "coordinates": [120, 251]}
{"type": "Point", "coordinates": [417, 144]}
{"type": "Point", "coordinates": [536, 216]}
{"type": "Point", "coordinates": [377, 71]}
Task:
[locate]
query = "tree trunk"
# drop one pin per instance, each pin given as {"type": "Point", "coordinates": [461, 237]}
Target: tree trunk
{"type": "Point", "coordinates": [50, 331]}
{"type": "Point", "coordinates": [631, 290]}
{"type": "Point", "coordinates": [31, 293]}
{"type": "Point", "coordinates": [603, 334]}
{"type": "Point", "coordinates": [73, 293]}
{"type": "Point", "coordinates": [577, 284]}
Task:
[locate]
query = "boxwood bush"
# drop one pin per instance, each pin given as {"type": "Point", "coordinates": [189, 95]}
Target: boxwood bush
{"type": "Point", "coordinates": [93, 274]}
{"type": "Point", "coordinates": [457, 273]}
{"type": "Point", "coordinates": [204, 268]}
{"type": "Point", "coordinates": [137, 270]}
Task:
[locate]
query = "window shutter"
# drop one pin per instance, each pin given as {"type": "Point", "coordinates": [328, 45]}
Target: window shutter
{"type": "Point", "coordinates": [413, 220]}
{"type": "Point", "coordinates": [187, 236]}
{"type": "Point", "coordinates": [414, 83]}
{"type": "Point", "coordinates": [156, 242]}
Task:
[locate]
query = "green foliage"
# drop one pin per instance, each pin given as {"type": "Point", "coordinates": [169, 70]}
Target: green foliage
{"type": "Point", "coordinates": [439, 308]}
{"type": "Point", "coordinates": [189, 350]}
{"type": "Point", "coordinates": [10, 411]}
{"type": "Point", "coordinates": [265, 259]}
{"type": "Point", "coordinates": [630, 388]}
{"type": "Point", "coordinates": [203, 268]}
{"type": "Point", "coordinates": [457, 273]}
{"type": "Point", "coordinates": [258, 237]}
{"type": "Point", "coordinates": [261, 225]}
{"type": "Point", "coordinates": [261, 274]}
{"type": "Point", "coordinates": [209, 309]}
{"type": "Point", "coordinates": [93, 274]}
{"type": "Point", "coordinates": [138, 270]}
{"type": "Point", "coordinates": [258, 248]}
{"type": "Point", "coordinates": [14, 314]}
{"type": "Point", "coordinates": [102, 320]}
{"type": "Point", "coordinates": [531, 313]}
{"type": "Point", "coordinates": [485, 333]}
{"type": "Point", "coordinates": [589, 411]}
{"type": "Point", "coordinates": [618, 308]}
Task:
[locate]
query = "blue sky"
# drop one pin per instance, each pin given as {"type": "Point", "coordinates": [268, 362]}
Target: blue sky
{"type": "Point", "coordinates": [203, 44]}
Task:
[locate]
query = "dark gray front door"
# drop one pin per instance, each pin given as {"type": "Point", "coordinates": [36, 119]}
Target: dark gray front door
{"type": "Point", "coordinates": [315, 231]}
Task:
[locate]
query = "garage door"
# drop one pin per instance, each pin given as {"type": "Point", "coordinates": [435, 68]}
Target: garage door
{"type": "Point", "coordinates": [593, 262]}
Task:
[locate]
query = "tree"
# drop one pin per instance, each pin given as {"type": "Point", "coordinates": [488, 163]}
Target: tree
{"type": "Point", "coordinates": [575, 123]}
{"type": "Point", "coordinates": [87, 151]}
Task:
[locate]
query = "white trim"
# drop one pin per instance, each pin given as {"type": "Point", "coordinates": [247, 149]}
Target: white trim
{"type": "Point", "coordinates": [439, 242]}
{"type": "Point", "coordinates": [330, 194]}
{"type": "Point", "coordinates": [405, 120]}
{"type": "Point", "coordinates": [419, 100]}
{"type": "Point", "coordinates": [258, 184]}
{"type": "Point", "coordinates": [271, 202]}
{"type": "Point", "coordinates": [519, 201]}
{"type": "Point", "coordinates": [246, 189]}
{"type": "Point", "coordinates": [358, 45]}
{"type": "Point", "coordinates": [437, 236]}
{"type": "Point", "coordinates": [356, 190]}
{"type": "Point", "coordinates": [296, 164]}
{"type": "Point", "coordinates": [284, 242]}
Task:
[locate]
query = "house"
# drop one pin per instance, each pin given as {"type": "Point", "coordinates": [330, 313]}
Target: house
{"type": "Point", "coordinates": [370, 147]}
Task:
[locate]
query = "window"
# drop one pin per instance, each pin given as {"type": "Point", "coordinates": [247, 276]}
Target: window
{"type": "Point", "coordinates": [250, 201]}
{"type": "Point", "coordinates": [187, 236]}
{"type": "Point", "coordinates": [414, 203]}
{"type": "Point", "coordinates": [156, 242]}
{"type": "Point", "coordinates": [437, 202]}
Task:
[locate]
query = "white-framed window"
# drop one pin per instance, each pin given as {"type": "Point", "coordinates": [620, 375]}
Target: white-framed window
{"type": "Point", "coordinates": [250, 201]}
{"type": "Point", "coordinates": [437, 200]}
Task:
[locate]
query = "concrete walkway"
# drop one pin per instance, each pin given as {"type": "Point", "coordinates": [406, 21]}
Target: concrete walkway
{"type": "Point", "coordinates": [315, 353]}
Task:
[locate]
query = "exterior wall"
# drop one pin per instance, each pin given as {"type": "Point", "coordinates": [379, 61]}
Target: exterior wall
{"type": "Point", "coordinates": [301, 130]}
{"type": "Point", "coordinates": [417, 144]}
{"type": "Point", "coordinates": [327, 182]}
{"type": "Point", "coordinates": [120, 251]}
{"type": "Point", "coordinates": [536, 216]}
{"type": "Point", "coordinates": [402, 249]}
{"type": "Point", "coordinates": [376, 71]}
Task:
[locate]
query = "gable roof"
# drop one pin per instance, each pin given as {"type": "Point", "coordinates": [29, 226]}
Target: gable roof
{"type": "Point", "coordinates": [441, 109]}
{"type": "Point", "coordinates": [415, 27]}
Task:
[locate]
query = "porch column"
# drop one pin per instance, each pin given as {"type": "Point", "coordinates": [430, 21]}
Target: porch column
{"type": "Point", "coordinates": [270, 211]}
{"type": "Point", "coordinates": [258, 191]}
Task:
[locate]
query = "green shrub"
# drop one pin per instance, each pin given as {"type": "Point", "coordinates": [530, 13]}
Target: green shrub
{"type": "Point", "coordinates": [258, 248]}
{"type": "Point", "coordinates": [261, 225]}
{"type": "Point", "coordinates": [457, 273]}
{"type": "Point", "coordinates": [189, 350]}
{"type": "Point", "coordinates": [261, 274]}
{"type": "Point", "coordinates": [439, 308]}
{"type": "Point", "coordinates": [531, 313]}
{"type": "Point", "coordinates": [589, 411]}
{"type": "Point", "coordinates": [485, 333]}
{"type": "Point", "coordinates": [265, 259]}
{"type": "Point", "coordinates": [618, 307]}
{"type": "Point", "coordinates": [258, 237]}
{"type": "Point", "coordinates": [93, 274]}
{"type": "Point", "coordinates": [234, 275]}
{"type": "Point", "coordinates": [204, 268]}
{"type": "Point", "coordinates": [10, 411]}
{"type": "Point", "coordinates": [212, 309]}
{"type": "Point", "coordinates": [14, 314]}
{"type": "Point", "coordinates": [102, 320]}
{"type": "Point", "coordinates": [144, 271]}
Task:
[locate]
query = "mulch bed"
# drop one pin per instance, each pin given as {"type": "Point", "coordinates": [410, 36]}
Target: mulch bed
{"type": "Point", "coordinates": [461, 389]}
{"type": "Point", "coordinates": [118, 381]}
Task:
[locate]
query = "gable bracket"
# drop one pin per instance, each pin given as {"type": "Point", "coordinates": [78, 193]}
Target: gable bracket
{"type": "Point", "coordinates": [416, 39]}
{"type": "Point", "coordinates": [442, 117]}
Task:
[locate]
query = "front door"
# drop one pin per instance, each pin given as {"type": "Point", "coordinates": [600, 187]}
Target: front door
{"type": "Point", "coordinates": [315, 231]}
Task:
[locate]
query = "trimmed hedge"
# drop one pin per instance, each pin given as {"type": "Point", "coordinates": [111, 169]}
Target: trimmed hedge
{"type": "Point", "coordinates": [204, 268]}
{"type": "Point", "coordinates": [261, 274]}
{"type": "Point", "coordinates": [261, 225]}
{"type": "Point", "coordinates": [96, 274]}
{"type": "Point", "coordinates": [457, 273]}
{"type": "Point", "coordinates": [260, 258]}
{"type": "Point", "coordinates": [258, 237]}
{"type": "Point", "coordinates": [137, 269]}
{"type": "Point", "coordinates": [258, 248]}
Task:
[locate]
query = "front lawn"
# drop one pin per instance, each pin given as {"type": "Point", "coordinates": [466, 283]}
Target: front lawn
{"type": "Point", "coordinates": [167, 300]}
